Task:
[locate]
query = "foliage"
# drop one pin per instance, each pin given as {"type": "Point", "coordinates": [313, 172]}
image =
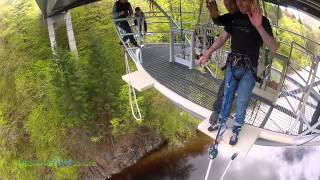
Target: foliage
{"type": "Point", "coordinates": [174, 126]}
{"type": "Point", "coordinates": [42, 97]}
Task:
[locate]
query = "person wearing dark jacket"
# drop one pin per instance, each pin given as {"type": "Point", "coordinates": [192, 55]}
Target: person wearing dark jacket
{"type": "Point", "coordinates": [123, 9]}
{"type": "Point", "coordinates": [221, 21]}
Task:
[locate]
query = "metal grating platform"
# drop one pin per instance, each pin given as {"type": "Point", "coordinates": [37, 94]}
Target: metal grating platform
{"type": "Point", "coordinates": [190, 84]}
{"type": "Point", "coordinates": [202, 89]}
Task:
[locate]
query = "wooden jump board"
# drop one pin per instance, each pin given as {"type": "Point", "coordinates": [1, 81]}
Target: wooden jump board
{"type": "Point", "coordinates": [140, 80]}
{"type": "Point", "coordinates": [247, 138]}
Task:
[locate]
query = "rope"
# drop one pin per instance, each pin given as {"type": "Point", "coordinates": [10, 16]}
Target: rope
{"type": "Point", "coordinates": [312, 138]}
{"type": "Point", "coordinates": [208, 170]}
{"type": "Point", "coordinates": [254, 104]}
{"type": "Point", "coordinates": [131, 89]}
{"type": "Point", "coordinates": [229, 164]}
{"type": "Point", "coordinates": [213, 152]}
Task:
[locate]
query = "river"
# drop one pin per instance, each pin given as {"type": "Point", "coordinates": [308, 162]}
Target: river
{"type": "Point", "coordinates": [191, 162]}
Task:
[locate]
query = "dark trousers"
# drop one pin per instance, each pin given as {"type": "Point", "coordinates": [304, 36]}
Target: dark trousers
{"type": "Point", "coordinates": [316, 115]}
{"type": "Point", "coordinates": [144, 25]}
{"type": "Point", "coordinates": [218, 102]}
{"type": "Point", "coordinates": [125, 26]}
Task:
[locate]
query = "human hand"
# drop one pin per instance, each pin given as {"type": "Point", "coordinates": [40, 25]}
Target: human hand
{"type": "Point", "coordinates": [255, 16]}
{"type": "Point", "coordinates": [203, 59]}
{"type": "Point", "coordinates": [212, 7]}
{"type": "Point", "coordinates": [122, 13]}
{"type": "Point", "coordinates": [210, 4]}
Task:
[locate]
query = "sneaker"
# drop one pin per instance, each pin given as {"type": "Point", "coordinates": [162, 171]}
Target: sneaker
{"type": "Point", "coordinates": [214, 118]}
{"type": "Point", "coordinates": [213, 127]}
{"type": "Point", "coordinates": [233, 139]}
{"type": "Point", "coordinates": [235, 133]}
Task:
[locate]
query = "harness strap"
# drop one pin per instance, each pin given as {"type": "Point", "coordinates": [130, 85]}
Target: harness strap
{"type": "Point", "coordinates": [254, 73]}
{"type": "Point", "coordinates": [235, 60]}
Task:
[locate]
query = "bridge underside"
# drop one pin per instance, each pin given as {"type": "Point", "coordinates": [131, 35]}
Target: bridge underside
{"type": "Point", "coordinates": [54, 7]}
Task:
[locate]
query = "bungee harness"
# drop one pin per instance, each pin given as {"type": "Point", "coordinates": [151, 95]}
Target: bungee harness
{"type": "Point", "coordinates": [235, 60]}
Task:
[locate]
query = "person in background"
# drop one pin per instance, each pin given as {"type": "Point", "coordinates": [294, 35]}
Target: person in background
{"type": "Point", "coordinates": [123, 9]}
{"type": "Point", "coordinates": [141, 18]}
{"type": "Point", "coordinates": [221, 21]}
{"type": "Point", "coordinates": [248, 30]}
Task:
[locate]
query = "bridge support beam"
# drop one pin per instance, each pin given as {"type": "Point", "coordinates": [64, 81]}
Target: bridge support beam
{"type": "Point", "coordinates": [52, 34]}
{"type": "Point", "coordinates": [71, 38]}
{"type": "Point", "coordinates": [52, 22]}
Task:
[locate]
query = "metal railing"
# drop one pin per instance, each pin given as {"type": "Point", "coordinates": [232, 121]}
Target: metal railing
{"type": "Point", "coordinates": [186, 55]}
{"type": "Point", "coordinates": [137, 54]}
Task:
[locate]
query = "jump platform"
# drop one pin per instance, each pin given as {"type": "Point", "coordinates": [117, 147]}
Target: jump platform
{"type": "Point", "coordinates": [247, 138]}
{"type": "Point", "coordinates": [139, 80]}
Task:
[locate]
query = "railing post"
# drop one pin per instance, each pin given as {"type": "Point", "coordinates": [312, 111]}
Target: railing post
{"type": "Point", "coordinates": [200, 11]}
{"type": "Point", "coordinates": [192, 55]}
{"type": "Point", "coordinates": [139, 55]}
{"type": "Point", "coordinates": [139, 50]}
{"type": "Point", "coordinates": [204, 39]}
{"type": "Point", "coordinates": [171, 45]}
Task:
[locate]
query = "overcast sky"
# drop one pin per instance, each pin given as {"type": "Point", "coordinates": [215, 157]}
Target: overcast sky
{"type": "Point", "coordinates": [264, 163]}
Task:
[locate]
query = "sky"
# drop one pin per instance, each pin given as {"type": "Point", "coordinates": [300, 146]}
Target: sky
{"type": "Point", "coordinates": [261, 163]}
{"type": "Point", "coordinates": [264, 163]}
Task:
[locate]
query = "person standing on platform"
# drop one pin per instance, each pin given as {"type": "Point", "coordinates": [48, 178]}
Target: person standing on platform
{"type": "Point", "coordinates": [123, 9]}
{"type": "Point", "coordinates": [221, 21]}
{"type": "Point", "coordinates": [141, 18]}
{"type": "Point", "coordinates": [248, 30]}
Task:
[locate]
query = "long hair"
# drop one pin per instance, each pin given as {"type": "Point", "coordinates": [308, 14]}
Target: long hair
{"type": "Point", "coordinates": [254, 3]}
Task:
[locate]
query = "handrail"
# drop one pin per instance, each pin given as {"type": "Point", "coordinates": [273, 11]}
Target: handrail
{"type": "Point", "coordinates": [163, 12]}
{"type": "Point", "coordinates": [183, 30]}
{"type": "Point", "coordinates": [295, 43]}
{"type": "Point", "coordinates": [158, 22]}
{"type": "Point", "coordinates": [306, 94]}
{"type": "Point", "coordinates": [280, 28]}
{"type": "Point", "coordinates": [125, 19]}
{"type": "Point", "coordinates": [126, 46]}
{"type": "Point", "coordinates": [191, 59]}
{"type": "Point", "coordinates": [167, 15]}
{"type": "Point", "coordinates": [148, 17]}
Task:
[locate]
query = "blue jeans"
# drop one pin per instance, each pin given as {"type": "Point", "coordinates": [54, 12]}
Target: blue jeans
{"type": "Point", "coordinates": [243, 87]}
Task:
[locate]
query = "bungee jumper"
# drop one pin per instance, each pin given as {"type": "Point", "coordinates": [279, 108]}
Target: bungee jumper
{"type": "Point", "coordinates": [222, 21]}
{"type": "Point", "coordinates": [248, 30]}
